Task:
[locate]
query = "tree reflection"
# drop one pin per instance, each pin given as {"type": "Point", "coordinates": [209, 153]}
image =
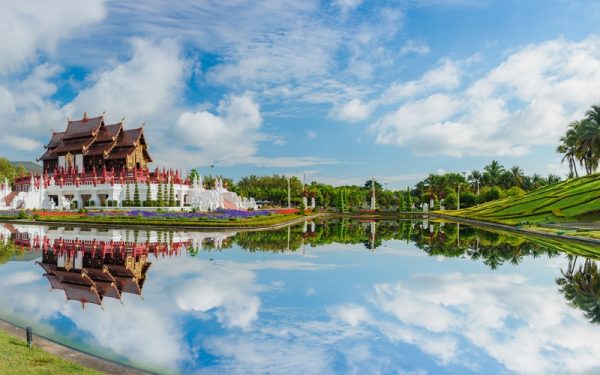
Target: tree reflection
{"type": "Point", "coordinates": [581, 287]}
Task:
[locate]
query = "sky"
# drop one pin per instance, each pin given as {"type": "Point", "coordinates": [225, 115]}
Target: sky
{"type": "Point", "coordinates": [338, 91]}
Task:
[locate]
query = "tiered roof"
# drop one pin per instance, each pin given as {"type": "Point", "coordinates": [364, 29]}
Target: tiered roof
{"type": "Point", "coordinates": [94, 281]}
{"type": "Point", "coordinates": [92, 137]}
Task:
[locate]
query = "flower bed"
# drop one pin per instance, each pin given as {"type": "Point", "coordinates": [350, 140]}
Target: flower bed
{"type": "Point", "coordinates": [284, 211]}
{"type": "Point", "coordinates": [217, 214]}
{"type": "Point", "coordinates": [55, 213]}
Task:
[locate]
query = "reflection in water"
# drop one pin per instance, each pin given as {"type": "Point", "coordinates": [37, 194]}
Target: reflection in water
{"type": "Point", "coordinates": [581, 287]}
{"type": "Point", "coordinates": [334, 296]}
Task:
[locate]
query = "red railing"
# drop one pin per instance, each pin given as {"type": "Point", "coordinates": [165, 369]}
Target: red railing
{"type": "Point", "coordinates": [71, 177]}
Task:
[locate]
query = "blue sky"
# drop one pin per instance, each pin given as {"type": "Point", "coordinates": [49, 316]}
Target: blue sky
{"type": "Point", "coordinates": [338, 90]}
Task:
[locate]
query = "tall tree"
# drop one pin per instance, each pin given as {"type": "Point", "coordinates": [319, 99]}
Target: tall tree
{"type": "Point", "coordinates": [568, 147]}
{"type": "Point", "coordinates": [517, 176]}
{"type": "Point", "coordinates": [492, 172]}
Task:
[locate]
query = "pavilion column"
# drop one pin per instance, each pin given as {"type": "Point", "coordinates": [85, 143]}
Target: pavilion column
{"type": "Point", "coordinates": [79, 200]}
{"type": "Point", "coordinates": [181, 197]}
{"type": "Point", "coordinates": [96, 198]}
{"type": "Point", "coordinates": [60, 198]}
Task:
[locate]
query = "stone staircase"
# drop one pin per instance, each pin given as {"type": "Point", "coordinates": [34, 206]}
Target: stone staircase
{"type": "Point", "coordinates": [9, 198]}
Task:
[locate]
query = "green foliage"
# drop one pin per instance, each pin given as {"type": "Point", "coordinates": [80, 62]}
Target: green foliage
{"type": "Point", "coordinates": [408, 201]}
{"type": "Point", "coordinates": [159, 196]}
{"type": "Point", "coordinates": [400, 198]}
{"type": "Point", "coordinates": [136, 196]}
{"type": "Point", "coordinates": [148, 202]}
{"type": "Point", "coordinates": [450, 201]}
{"type": "Point", "coordinates": [171, 195]}
{"type": "Point", "coordinates": [6, 170]}
{"type": "Point", "coordinates": [467, 199]}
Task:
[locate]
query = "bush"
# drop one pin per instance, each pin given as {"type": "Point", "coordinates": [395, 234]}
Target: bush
{"type": "Point", "coordinates": [451, 201]}
{"type": "Point", "coordinates": [495, 194]}
{"type": "Point", "coordinates": [487, 194]}
{"type": "Point", "coordinates": [514, 191]}
{"type": "Point", "coordinates": [467, 199]}
{"type": "Point", "coordinates": [22, 214]}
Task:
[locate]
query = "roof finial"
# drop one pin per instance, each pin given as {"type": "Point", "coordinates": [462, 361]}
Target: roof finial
{"type": "Point", "coordinates": [85, 115]}
{"type": "Point", "coordinates": [122, 119]}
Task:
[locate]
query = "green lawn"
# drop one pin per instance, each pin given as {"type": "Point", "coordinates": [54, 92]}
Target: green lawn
{"type": "Point", "coordinates": [252, 222]}
{"type": "Point", "coordinates": [16, 358]}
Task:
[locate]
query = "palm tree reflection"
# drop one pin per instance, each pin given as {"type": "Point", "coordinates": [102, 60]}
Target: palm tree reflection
{"type": "Point", "coordinates": [580, 285]}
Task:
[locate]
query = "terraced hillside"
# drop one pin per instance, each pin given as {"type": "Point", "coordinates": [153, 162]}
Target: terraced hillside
{"type": "Point", "coordinates": [570, 201]}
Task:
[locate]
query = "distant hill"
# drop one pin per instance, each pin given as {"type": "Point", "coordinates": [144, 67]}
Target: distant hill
{"type": "Point", "coordinates": [29, 166]}
{"type": "Point", "coordinates": [577, 199]}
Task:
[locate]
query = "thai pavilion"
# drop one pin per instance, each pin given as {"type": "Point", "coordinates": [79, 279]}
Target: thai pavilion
{"type": "Point", "coordinates": [94, 164]}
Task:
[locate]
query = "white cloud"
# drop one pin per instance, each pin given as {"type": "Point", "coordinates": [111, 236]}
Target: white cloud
{"type": "Point", "coordinates": [353, 111]}
{"type": "Point", "coordinates": [29, 28]}
{"type": "Point", "coordinates": [351, 314]}
{"type": "Point", "coordinates": [232, 134]}
{"type": "Point", "coordinates": [416, 47]}
{"type": "Point", "coordinates": [144, 87]}
{"type": "Point", "coordinates": [347, 5]}
{"type": "Point", "coordinates": [301, 52]}
{"type": "Point", "coordinates": [21, 143]}
{"type": "Point", "coordinates": [526, 100]}
{"type": "Point", "coordinates": [444, 77]}
{"type": "Point", "coordinates": [311, 134]}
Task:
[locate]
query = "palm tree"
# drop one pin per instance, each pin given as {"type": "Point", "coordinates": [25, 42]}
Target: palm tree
{"type": "Point", "coordinates": [553, 179]}
{"type": "Point", "coordinates": [537, 181]}
{"type": "Point", "coordinates": [474, 179]}
{"type": "Point", "coordinates": [517, 176]}
{"type": "Point", "coordinates": [568, 146]}
{"type": "Point", "coordinates": [492, 172]}
{"type": "Point", "coordinates": [588, 141]}
{"type": "Point", "coordinates": [592, 117]}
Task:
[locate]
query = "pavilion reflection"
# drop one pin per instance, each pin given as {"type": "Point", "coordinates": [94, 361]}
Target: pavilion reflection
{"type": "Point", "coordinates": [89, 265]}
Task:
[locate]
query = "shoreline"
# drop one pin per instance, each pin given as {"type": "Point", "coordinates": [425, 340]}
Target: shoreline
{"type": "Point", "coordinates": [510, 228]}
{"type": "Point", "coordinates": [137, 225]}
{"type": "Point", "coordinates": [392, 215]}
{"type": "Point", "coordinates": [90, 361]}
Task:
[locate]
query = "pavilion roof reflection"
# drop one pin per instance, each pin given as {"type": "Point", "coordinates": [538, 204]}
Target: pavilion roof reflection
{"type": "Point", "coordinates": [89, 265]}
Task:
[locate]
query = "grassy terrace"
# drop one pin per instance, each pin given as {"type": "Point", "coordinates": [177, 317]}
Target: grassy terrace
{"type": "Point", "coordinates": [549, 209]}
{"type": "Point", "coordinates": [16, 358]}
{"type": "Point", "coordinates": [250, 222]}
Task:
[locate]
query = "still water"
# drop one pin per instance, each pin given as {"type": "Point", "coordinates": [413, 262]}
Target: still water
{"type": "Point", "coordinates": [326, 297]}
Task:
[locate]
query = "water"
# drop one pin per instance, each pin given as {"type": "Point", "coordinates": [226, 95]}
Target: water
{"type": "Point", "coordinates": [331, 297]}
